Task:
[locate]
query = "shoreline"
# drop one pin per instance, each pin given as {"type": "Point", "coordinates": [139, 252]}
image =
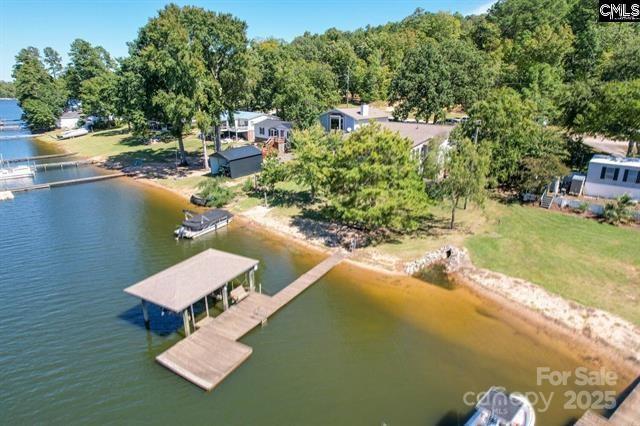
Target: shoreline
{"type": "Point", "coordinates": [598, 350]}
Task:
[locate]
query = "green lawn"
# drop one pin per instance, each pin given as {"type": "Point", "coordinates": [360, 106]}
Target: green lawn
{"type": "Point", "coordinates": [595, 264]}
{"type": "Point", "coordinates": [117, 144]}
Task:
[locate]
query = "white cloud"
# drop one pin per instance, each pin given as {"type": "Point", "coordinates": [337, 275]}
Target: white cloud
{"type": "Point", "coordinates": [483, 8]}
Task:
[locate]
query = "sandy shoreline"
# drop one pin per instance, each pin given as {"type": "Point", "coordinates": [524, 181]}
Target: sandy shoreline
{"type": "Point", "coordinates": [591, 348]}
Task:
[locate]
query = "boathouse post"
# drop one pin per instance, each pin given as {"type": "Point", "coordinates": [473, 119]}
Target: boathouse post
{"type": "Point", "coordinates": [145, 313]}
{"type": "Point", "coordinates": [185, 320]}
{"type": "Point", "coordinates": [206, 304]}
{"type": "Point", "coordinates": [225, 297]}
{"type": "Point", "coordinates": [252, 280]}
{"type": "Point", "coordinates": [193, 318]}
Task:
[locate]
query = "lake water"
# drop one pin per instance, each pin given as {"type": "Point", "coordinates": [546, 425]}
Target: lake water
{"type": "Point", "coordinates": [357, 348]}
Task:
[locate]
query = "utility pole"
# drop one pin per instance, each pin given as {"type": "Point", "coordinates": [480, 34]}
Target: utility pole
{"type": "Point", "coordinates": [347, 94]}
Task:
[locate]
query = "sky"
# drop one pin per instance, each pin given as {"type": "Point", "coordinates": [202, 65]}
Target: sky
{"type": "Point", "coordinates": [112, 23]}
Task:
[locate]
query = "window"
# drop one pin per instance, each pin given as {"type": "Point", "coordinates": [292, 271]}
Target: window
{"type": "Point", "coordinates": [335, 122]}
{"type": "Point", "coordinates": [261, 130]}
{"type": "Point", "coordinates": [611, 173]}
{"type": "Point", "coordinates": [603, 172]}
{"type": "Point", "coordinates": [625, 175]}
{"type": "Point", "coordinates": [616, 172]}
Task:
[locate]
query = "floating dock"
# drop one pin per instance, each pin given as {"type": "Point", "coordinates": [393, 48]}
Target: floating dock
{"type": "Point", "coordinates": [210, 353]}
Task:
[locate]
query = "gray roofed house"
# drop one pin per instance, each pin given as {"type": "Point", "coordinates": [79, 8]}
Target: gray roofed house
{"type": "Point", "coordinates": [418, 133]}
{"type": "Point", "coordinates": [273, 127]}
{"type": "Point", "coordinates": [349, 119]}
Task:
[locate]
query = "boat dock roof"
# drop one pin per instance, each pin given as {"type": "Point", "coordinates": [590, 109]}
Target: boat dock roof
{"type": "Point", "coordinates": [212, 352]}
{"type": "Point", "coordinates": [183, 284]}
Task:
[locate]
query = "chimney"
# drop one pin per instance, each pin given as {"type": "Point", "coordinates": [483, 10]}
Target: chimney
{"type": "Point", "coordinates": [364, 110]}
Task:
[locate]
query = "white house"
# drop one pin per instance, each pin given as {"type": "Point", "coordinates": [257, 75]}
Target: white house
{"type": "Point", "coordinates": [272, 127]}
{"type": "Point", "coordinates": [611, 177]}
{"type": "Point", "coordinates": [243, 124]}
{"type": "Point", "coordinates": [68, 120]}
{"type": "Point", "coordinates": [349, 119]}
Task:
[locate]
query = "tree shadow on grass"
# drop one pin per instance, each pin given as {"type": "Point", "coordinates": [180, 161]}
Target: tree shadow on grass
{"type": "Point", "coordinates": [109, 132]}
{"type": "Point", "coordinates": [153, 163]}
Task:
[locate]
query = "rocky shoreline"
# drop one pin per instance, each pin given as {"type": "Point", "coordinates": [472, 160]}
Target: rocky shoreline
{"type": "Point", "coordinates": [598, 329]}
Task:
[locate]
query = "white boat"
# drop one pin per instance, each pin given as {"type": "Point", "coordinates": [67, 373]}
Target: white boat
{"type": "Point", "coordinates": [196, 225]}
{"type": "Point", "coordinates": [18, 172]}
{"type": "Point", "coordinates": [496, 408]}
{"type": "Point", "coordinates": [73, 133]}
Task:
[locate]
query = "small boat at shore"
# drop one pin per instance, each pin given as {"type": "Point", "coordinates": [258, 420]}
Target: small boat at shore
{"type": "Point", "coordinates": [497, 408]}
{"type": "Point", "coordinates": [196, 225]}
{"type": "Point", "coordinates": [75, 133]}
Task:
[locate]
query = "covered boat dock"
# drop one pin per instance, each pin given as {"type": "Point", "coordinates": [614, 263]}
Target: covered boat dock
{"type": "Point", "coordinates": [210, 352]}
{"type": "Point", "coordinates": [181, 286]}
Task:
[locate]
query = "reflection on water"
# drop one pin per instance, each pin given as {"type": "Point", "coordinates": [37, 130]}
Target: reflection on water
{"type": "Point", "coordinates": [356, 348]}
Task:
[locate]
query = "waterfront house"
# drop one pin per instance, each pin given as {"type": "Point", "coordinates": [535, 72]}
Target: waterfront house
{"type": "Point", "coordinates": [272, 127]}
{"type": "Point", "coordinates": [236, 162]}
{"type": "Point", "coordinates": [611, 177]}
{"type": "Point", "coordinates": [350, 119]}
{"type": "Point", "coordinates": [420, 134]}
{"type": "Point", "coordinates": [242, 124]}
{"type": "Point", "coordinates": [68, 120]}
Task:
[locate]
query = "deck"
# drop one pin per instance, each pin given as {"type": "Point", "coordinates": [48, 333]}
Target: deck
{"type": "Point", "coordinates": [210, 354]}
{"type": "Point", "coordinates": [628, 413]}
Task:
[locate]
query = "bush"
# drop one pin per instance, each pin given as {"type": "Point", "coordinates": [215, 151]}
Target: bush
{"type": "Point", "coordinates": [214, 193]}
{"type": "Point", "coordinates": [582, 208]}
{"type": "Point", "coordinates": [618, 212]}
{"type": "Point", "coordinates": [247, 185]}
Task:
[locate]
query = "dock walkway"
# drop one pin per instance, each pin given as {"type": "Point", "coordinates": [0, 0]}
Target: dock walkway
{"type": "Point", "coordinates": [39, 157]}
{"type": "Point", "coordinates": [210, 354]}
{"type": "Point", "coordinates": [68, 182]}
{"type": "Point", "coordinates": [628, 413]}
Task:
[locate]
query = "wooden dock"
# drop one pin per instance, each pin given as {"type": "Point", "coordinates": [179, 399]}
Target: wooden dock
{"type": "Point", "coordinates": [39, 157]}
{"type": "Point", "coordinates": [210, 354]}
{"type": "Point", "coordinates": [62, 165]}
{"type": "Point", "coordinates": [627, 414]}
{"type": "Point", "coordinates": [68, 182]}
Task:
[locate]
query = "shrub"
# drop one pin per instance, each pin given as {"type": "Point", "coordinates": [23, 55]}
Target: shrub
{"type": "Point", "coordinates": [618, 212]}
{"type": "Point", "coordinates": [582, 208]}
{"type": "Point", "coordinates": [247, 185]}
{"type": "Point", "coordinates": [214, 193]}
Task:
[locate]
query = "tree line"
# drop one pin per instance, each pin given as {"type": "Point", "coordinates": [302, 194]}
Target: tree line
{"type": "Point", "coordinates": [533, 75]}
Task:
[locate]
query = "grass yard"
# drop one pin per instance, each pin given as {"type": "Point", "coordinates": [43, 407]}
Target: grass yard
{"type": "Point", "coordinates": [595, 264]}
{"type": "Point", "coordinates": [118, 143]}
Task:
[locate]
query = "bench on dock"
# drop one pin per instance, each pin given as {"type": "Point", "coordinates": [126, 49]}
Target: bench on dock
{"type": "Point", "coordinates": [239, 293]}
